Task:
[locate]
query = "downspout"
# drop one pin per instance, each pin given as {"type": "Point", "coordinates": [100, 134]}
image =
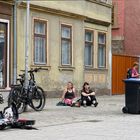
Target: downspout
{"type": "Point", "coordinates": [15, 44]}
{"type": "Point", "coordinates": [27, 43]}
{"type": "Point", "coordinates": [110, 62]}
{"type": "Point", "coordinates": [110, 66]}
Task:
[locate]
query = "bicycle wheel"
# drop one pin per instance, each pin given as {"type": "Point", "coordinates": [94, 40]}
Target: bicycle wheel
{"type": "Point", "coordinates": [38, 99]}
{"type": "Point", "coordinates": [16, 98]}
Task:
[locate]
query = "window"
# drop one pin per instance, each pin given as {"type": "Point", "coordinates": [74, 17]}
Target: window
{"type": "Point", "coordinates": [88, 48]}
{"type": "Point", "coordinates": [113, 15]}
{"type": "Point", "coordinates": [104, 1]}
{"type": "Point", "coordinates": [101, 50]}
{"type": "Point", "coordinates": [40, 41]}
{"type": "Point", "coordinates": [66, 45]}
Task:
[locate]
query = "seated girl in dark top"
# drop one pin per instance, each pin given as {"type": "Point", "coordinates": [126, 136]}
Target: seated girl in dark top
{"type": "Point", "coordinates": [68, 94]}
{"type": "Point", "coordinates": [88, 96]}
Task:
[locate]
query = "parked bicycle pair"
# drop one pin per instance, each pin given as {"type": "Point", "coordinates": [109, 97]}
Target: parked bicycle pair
{"type": "Point", "coordinates": [33, 95]}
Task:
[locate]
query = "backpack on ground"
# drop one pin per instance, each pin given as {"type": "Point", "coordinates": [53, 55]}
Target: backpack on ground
{"type": "Point", "coordinates": [9, 118]}
{"type": "Point", "coordinates": [129, 73]}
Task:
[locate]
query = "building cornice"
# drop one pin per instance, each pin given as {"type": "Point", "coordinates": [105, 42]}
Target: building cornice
{"type": "Point", "coordinates": [66, 14]}
{"type": "Point", "coordinates": [10, 2]}
{"type": "Point", "coordinates": [97, 21]}
{"type": "Point", "coordinates": [101, 3]}
{"type": "Point", "coordinates": [53, 11]}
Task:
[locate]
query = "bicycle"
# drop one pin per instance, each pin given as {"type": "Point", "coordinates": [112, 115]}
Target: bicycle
{"type": "Point", "coordinates": [33, 96]}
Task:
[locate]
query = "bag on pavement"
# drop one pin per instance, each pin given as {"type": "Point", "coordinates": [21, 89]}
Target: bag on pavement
{"type": "Point", "coordinates": [129, 73]}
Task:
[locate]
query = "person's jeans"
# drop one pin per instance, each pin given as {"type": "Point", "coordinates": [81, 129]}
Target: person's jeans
{"type": "Point", "coordinates": [89, 99]}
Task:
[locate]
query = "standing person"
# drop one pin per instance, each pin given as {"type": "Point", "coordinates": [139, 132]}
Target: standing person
{"type": "Point", "coordinates": [69, 94]}
{"type": "Point", "coordinates": [134, 73]}
{"type": "Point", "coordinates": [88, 96]}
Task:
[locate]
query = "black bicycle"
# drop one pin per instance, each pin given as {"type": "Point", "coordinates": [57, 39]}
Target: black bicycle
{"type": "Point", "coordinates": [33, 96]}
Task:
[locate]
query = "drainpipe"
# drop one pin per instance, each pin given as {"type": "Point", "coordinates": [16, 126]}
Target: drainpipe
{"type": "Point", "coordinates": [27, 43]}
{"type": "Point", "coordinates": [110, 61]}
{"type": "Point", "coordinates": [110, 66]}
{"type": "Point", "coordinates": [15, 43]}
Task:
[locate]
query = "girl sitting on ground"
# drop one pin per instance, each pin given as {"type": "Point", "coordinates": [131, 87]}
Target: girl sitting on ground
{"type": "Point", "coordinates": [68, 94]}
{"type": "Point", "coordinates": [88, 96]}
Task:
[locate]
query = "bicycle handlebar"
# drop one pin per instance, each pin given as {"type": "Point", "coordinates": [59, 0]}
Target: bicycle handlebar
{"type": "Point", "coordinates": [33, 70]}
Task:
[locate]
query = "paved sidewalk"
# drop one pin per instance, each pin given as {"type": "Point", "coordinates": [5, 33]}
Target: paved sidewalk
{"type": "Point", "coordinates": [105, 122]}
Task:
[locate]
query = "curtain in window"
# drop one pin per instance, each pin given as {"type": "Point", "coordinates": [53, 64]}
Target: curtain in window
{"type": "Point", "coordinates": [66, 45]}
{"type": "Point", "coordinates": [66, 32]}
{"type": "Point", "coordinates": [101, 56]}
{"type": "Point", "coordinates": [40, 50]}
{"type": "Point", "coordinates": [101, 49]}
{"type": "Point", "coordinates": [65, 52]}
{"type": "Point", "coordinates": [40, 43]}
{"type": "Point", "coordinates": [88, 48]}
{"type": "Point", "coordinates": [39, 28]}
{"type": "Point", "coordinates": [89, 36]}
{"type": "Point", "coordinates": [88, 54]}
{"type": "Point", "coordinates": [101, 39]}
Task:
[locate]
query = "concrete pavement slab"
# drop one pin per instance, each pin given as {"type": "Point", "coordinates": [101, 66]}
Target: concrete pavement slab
{"type": "Point", "coordinates": [105, 122]}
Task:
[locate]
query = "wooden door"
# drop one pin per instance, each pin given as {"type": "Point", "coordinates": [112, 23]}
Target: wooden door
{"type": "Point", "coordinates": [120, 65]}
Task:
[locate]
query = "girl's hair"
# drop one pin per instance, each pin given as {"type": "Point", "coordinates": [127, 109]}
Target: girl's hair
{"type": "Point", "coordinates": [71, 84]}
{"type": "Point", "coordinates": [85, 83]}
{"type": "Point", "coordinates": [135, 64]}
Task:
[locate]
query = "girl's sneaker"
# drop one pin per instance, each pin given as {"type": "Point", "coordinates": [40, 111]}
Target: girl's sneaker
{"type": "Point", "coordinates": [96, 104]}
{"type": "Point", "coordinates": [84, 103]}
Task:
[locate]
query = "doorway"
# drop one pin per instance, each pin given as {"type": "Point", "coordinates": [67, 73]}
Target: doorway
{"type": "Point", "coordinates": [120, 65]}
{"type": "Point", "coordinates": [3, 55]}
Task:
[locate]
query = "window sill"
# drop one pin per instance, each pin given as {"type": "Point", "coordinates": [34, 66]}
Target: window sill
{"type": "Point", "coordinates": [95, 69]}
{"type": "Point", "coordinates": [89, 68]}
{"type": "Point", "coordinates": [115, 27]}
{"type": "Point", "coordinates": [42, 66]}
{"type": "Point", "coordinates": [104, 69]}
{"type": "Point", "coordinates": [66, 68]}
{"type": "Point", "coordinates": [107, 4]}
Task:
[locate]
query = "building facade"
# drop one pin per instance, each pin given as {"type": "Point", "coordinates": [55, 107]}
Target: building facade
{"type": "Point", "coordinates": [125, 40]}
{"type": "Point", "coordinates": [118, 26]}
{"type": "Point", "coordinates": [70, 40]}
{"type": "Point", "coordinates": [132, 29]}
{"type": "Point", "coordinates": [125, 28]}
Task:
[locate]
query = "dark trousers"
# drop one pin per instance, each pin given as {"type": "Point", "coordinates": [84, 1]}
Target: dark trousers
{"type": "Point", "coordinates": [88, 101]}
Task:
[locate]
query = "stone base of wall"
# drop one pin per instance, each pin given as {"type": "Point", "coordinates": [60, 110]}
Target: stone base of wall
{"type": "Point", "coordinates": [103, 92]}
{"type": "Point", "coordinates": [58, 94]}
{"type": "Point", "coordinates": [53, 94]}
{"type": "Point", "coordinates": [117, 46]}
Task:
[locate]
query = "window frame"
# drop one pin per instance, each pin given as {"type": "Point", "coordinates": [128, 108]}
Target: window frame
{"type": "Point", "coordinates": [103, 45]}
{"type": "Point", "coordinates": [92, 43]}
{"type": "Point", "coordinates": [42, 36]}
{"type": "Point", "coordinates": [71, 43]}
{"type": "Point", "coordinates": [104, 1]}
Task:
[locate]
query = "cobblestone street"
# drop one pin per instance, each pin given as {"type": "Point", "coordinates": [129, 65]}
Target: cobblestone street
{"type": "Point", "coordinates": [106, 122]}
